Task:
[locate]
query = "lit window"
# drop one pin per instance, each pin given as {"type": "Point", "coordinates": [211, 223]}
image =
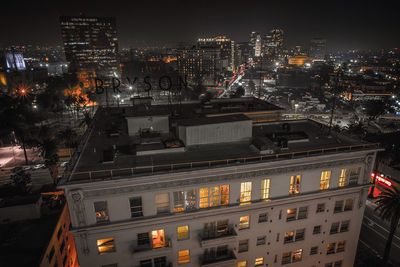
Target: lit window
{"type": "Point", "coordinates": [325, 178]}
{"type": "Point", "coordinates": [330, 248]}
{"type": "Point", "coordinates": [183, 232]}
{"type": "Point", "coordinates": [158, 238]}
{"type": "Point", "coordinates": [183, 256]}
{"type": "Point", "coordinates": [259, 262]}
{"type": "Point", "coordinates": [295, 181]}
{"type": "Point", "coordinates": [105, 245]}
{"type": "Point", "coordinates": [265, 186]}
{"type": "Point", "coordinates": [101, 211]}
{"type": "Point", "coordinates": [245, 192]}
{"type": "Point", "coordinates": [184, 200]}
{"type": "Point", "coordinates": [343, 178]}
{"type": "Point", "coordinates": [241, 264]}
{"type": "Point", "coordinates": [162, 203]}
{"type": "Point", "coordinates": [340, 246]}
{"type": "Point", "coordinates": [291, 214]}
{"type": "Point", "coordinates": [244, 222]}
{"type": "Point", "coordinates": [136, 207]}
{"type": "Point", "coordinates": [214, 196]}
{"type": "Point", "coordinates": [297, 255]}
{"type": "Point", "coordinates": [289, 237]}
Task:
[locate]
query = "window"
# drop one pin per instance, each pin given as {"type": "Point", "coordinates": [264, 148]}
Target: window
{"type": "Point", "coordinates": [289, 237]}
{"type": "Point", "coordinates": [243, 245]}
{"type": "Point", "coordinates": [100, 208]}
{"type": "Point", "coordinates": [146, 263]}
{"type": "Point", "coordinates": [105, 245]}
{"type": "Point", "coordinates": [302, 213]}
{"type": "Point", "coordinates": [354, 175]}
{"type": "Point", "coordinates": [183, 256]}
{"type": "Point", "coordinates": [244, 222]}
{"type": "Point", "coordinates": [263, 217]}
{"type": "Point", "coordinates": [265, 186]}
{"type": "Point", "coordinates": [343, 178]}
{"type": "Point", "coordinates": [214, 196]}
{"type": "Point", "coordinates": [183, 232]}
{"type": "Point", "coordinates": [259, 262]}
{"type": "Point", "coordinates": [330, 248]}
{"type": "Point", "coordinates": [314, 250]}
{"type": "Point", "coordinates": [299, 235]}
{"type": "Point", "coordinates": [184, 200]}
{"type": "Point", "coordinates": [325, 178]}
{"type": "Point", "coordinates": [261, 240]}
{"type": "Point", "coordinates": [317, 230]}
{"type": "Point", "coordinates": [286, 258]}
{"type": "Point", "coordinates": [160, 261]}
{"type": "Point", "coordinates": [338, 206]}
{"type": "Point", "coordinates": [143, 239]}
{"type": "Point", "coordinates": [344, 227]}
{"type": "Point", "coordinates": [291, 214]}
{"type": "Point", "coordinates": [348, 205]}
{"type": "Point", "coordinates": [158, 238]}
{"type": "Point", "coordinates": [340, 246]}
{"type": "Point", "coordinates": [245, 192]}
{"type": "Point", "coordinates": [320, 207]}
{"type": "Point", "coordinates": [338, 264]}
{"type": "Point", "coordinates": [136, 207]}
{"type": "Point", "coordinates": [297, 255]}
{"type": "Point", "coordinates": [162, 203]}
{"type": "Point", "coordinates": [294, 184]}
{"type": "Point", "coordinates": [294, 236]}
{"type": "Point", "coordinates": [334, 228]}
{"type": "Point", "coordinates": [241, 264]}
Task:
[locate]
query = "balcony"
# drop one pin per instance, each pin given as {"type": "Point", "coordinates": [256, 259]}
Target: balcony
{"type": "Point", "coordinates": [227, 259]}
{"type": "Point", "coordinates": [222, 237]}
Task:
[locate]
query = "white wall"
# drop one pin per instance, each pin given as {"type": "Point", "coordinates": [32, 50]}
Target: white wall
{"type": "Point", "coordinates": [159, 124]}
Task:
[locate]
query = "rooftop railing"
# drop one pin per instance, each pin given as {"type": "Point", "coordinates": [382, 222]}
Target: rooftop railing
{"type": "Point", "coordinates": [98, 175]}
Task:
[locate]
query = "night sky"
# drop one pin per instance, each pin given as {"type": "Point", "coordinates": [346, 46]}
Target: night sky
{"type": "Point", "coordinates": [345, 24]}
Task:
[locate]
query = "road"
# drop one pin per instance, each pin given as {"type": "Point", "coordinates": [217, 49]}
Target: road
{"type": "Point", "coordinates": [374, 233]}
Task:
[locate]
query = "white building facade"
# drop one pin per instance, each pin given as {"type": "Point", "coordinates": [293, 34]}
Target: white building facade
{"type": "Point", "coordinates": [285, 211]}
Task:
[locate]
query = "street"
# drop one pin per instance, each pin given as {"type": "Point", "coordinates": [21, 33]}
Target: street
{"type": "Point", "coordinates": [374, 234]}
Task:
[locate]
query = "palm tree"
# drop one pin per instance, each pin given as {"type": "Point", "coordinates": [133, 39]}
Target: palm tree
{"type": "Point", "coordinates": [389, 210]}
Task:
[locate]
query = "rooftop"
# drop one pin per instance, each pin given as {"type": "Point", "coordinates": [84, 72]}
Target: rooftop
{"type": "Point", "coordinates": [104, 155]}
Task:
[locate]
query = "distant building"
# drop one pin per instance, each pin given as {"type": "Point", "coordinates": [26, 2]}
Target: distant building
{"type": "Point", "coordinates": [274, 43]}
{"type": "Point", "coordinates": [255, 44]}
{"type": "Point", "coordinates": [298, 60]}
{"type": "Point", "coordinates": [199, 64]}
{"type": "Point", "coordinates": [226, 46]}
{"type": "Point", "coordinates": [91, 46]}
{"type": "Point", "coordinates": [317, 49]}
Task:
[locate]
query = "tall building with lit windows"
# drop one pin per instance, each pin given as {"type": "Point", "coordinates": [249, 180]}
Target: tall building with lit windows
{"type": "Point", "coordinates": [222, 43]}
{"type": "Point", "coordinates": [274, 43]}
{"type": "Point", "coordinates": [255, 44]}
{"type": "Point", "coordinates": [91, 46]}
{"type": "Point", "coordinates": [318, 49]}
{"type": "Point", "coordinates": [215, 186]}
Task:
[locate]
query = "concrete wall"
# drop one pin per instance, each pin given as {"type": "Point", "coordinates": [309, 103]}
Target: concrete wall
{"type": "Point", "coordinates": [158, 123]}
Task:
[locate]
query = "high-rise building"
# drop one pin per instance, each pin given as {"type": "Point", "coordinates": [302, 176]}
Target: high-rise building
{"type": "Point", "coordinates": [91, 46]}
{"type": "Point", "coordinates": [219, 42]}
{"type": "Point", "coordinates": [213, 187]}
{"type": "Point", "coordinates": [199, 64]}
{"type": "Point", "coordinates": [274, 42]}
{"type": "Point", "coordinates": [318, 49]}
{"type": "Point", "coordinates": [255, 44]}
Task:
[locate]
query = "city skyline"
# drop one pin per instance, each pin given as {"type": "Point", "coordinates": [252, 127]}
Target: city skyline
{"type": "Point", "coordinates": [355, 25]}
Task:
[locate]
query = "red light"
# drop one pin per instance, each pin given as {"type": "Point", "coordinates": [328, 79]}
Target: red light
{"type": "Point", "coordinates": [384, 181]}
{"type": "Point", "coordinates": [373, 175]}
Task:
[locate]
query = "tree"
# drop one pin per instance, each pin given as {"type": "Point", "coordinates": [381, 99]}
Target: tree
{"type": "Point", "coordinates": [21, 179]}
{"type": "Point", "coordinates": [389, 210]}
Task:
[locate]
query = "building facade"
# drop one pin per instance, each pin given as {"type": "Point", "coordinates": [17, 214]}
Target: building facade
{"type": "Point", "coordinates": [91, 46]}
{"type": "Point", "coordinates": [230, 197]}
{"type": "Point", "coordinates": [318, 49]}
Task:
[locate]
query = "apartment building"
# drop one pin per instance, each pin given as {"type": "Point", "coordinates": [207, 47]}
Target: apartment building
{"type": "Point", "coordinates": [163, 190]}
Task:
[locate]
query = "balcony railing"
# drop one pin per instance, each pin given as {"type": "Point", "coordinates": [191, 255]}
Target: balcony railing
{"type": "Point", "coordinates": [218, 237]}
{"type": "Point", "coordinates": [211, 260]}
{"type": "Point", "coordinates": [149, 247]}
{"type": "Point", "coordinates": [107, 174]}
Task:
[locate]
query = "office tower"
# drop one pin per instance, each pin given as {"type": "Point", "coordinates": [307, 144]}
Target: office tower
{"type": "Point", "coordinates": [274, 43]}
{"type": "Point", "coordinates": [199, 64]}
{"type": "Point", "coordinates": [243, 52]}
{"type": "Point", "coordinates": [214, 187]}
{"type": "Point", "coordinates": [224, 44]}
{"type": "Point", "coordinates": [318, 49]}
{"type": "Point", "coordinates": [91, 46]}
{"type": "Point", "coordinates": [255, 44]}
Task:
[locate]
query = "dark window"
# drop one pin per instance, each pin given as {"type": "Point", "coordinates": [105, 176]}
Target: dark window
{"type": "Point", "coordinates": [314, 250]}
{"type": "Point", "coordinates": [317, 230]}
{"type": "Point", "coordinates": [146, 263]}
{"type": "Point", "coordinates": [136, 207]}
{"type": "Point", "coordinates": [143, 239]}
{"type": "Point", "coordinates": [261, 240]}
{"type": "Point", "coordinates": [263, 217]}
{"type": "Point", "coordinates": [160, 262]}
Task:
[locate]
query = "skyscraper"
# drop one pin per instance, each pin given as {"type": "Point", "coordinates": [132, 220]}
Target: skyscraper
{"type": "Point", "coordinates": [317, 48]}
{"type": "Point", "coordinates": [274, 43]}
{"type": "Point", "coordinates": [91, 46]}
{"type": "Point", "coordinates": [255, 43]}
{"type": "Point", "coordinates": [222, 43]}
